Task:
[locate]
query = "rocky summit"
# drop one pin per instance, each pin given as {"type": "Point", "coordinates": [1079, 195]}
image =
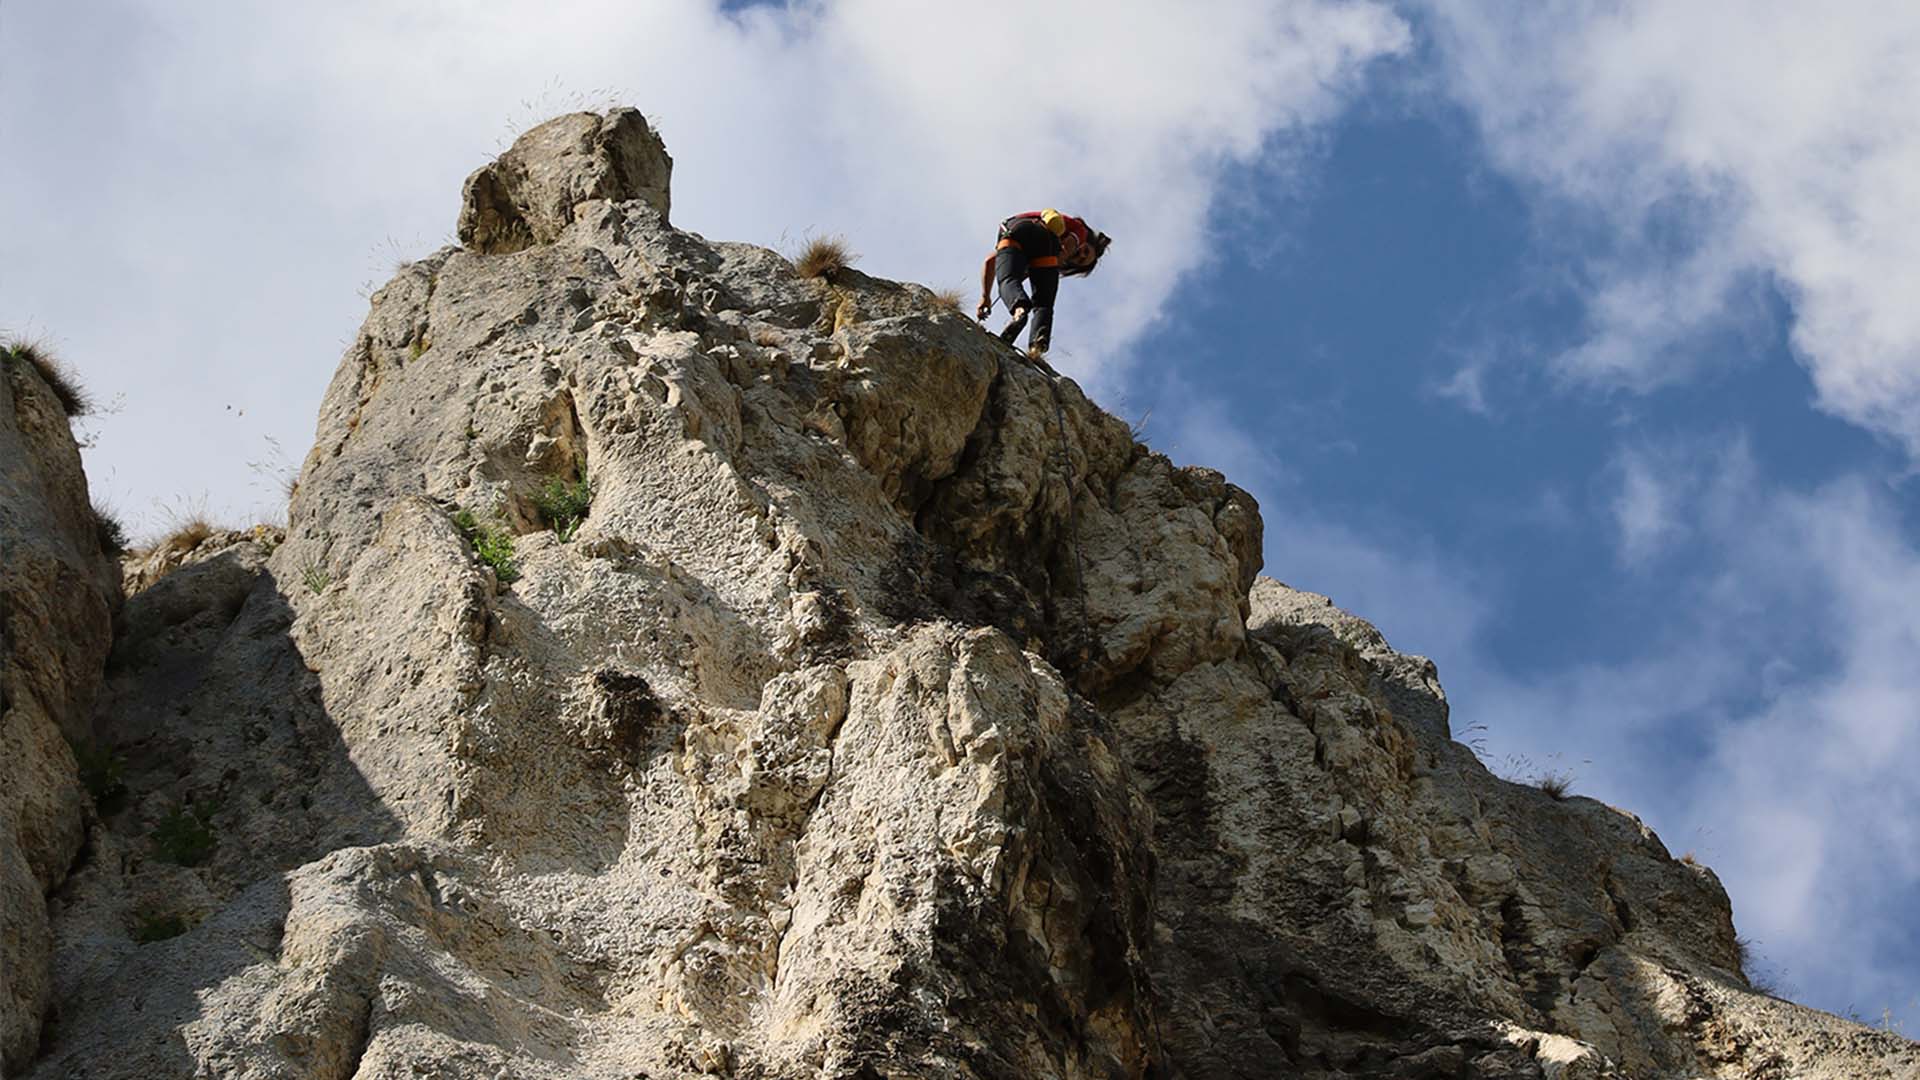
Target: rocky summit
{"type": "Point", "coordinates": [675, 666]}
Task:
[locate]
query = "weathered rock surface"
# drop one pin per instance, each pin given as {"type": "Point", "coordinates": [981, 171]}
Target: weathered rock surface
{"type": "Point", "coordinates": [57, 595]}
{"type": "Point", "coordinates": [890, 714]}
{"type": "Point", "coordinates": [527, 195]}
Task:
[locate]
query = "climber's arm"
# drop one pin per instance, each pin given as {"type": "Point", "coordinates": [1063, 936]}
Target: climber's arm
{"type": "Point", "coordinates": [986, 290]}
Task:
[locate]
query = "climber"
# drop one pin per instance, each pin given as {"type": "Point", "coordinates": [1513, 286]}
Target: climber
{"type": "Point", "coordinates": [1038, 246]}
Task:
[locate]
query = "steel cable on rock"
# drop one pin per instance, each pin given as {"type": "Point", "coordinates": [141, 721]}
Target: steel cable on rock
{"type": "Point", "coordinates": [1073, 504]}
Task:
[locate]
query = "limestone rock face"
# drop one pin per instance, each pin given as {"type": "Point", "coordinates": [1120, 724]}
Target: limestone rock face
{"type": "Point", "coordinates": [57, 596]}
{"type": "Point", "coordinates": [889, 712]}
{"type": "Point", "coordinates": [528, 194]}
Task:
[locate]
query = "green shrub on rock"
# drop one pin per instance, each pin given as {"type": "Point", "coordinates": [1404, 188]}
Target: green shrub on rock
{"type": "Point", "coordinates": [563, 504]}
{"type": "Point", "coordinates": [492, 545]}
{"type": "Point", "coordinates": [102, 773]}
{"type": "Point", "coordinates": [184, 837]}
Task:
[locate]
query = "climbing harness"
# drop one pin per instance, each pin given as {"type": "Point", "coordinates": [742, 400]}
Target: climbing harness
{"type": "Point", "coordinates": [1042, 262]}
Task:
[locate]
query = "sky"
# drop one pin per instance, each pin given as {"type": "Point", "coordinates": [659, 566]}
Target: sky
{"type": "Point", "coordinates": [1573, 344]}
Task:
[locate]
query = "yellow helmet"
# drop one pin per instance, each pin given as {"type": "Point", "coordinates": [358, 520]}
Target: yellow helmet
{"type": "Point", "coordinates": [1054, 220]}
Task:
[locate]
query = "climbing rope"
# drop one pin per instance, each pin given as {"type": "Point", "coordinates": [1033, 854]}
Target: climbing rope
{"type": "Point", "coordinates": [1073, 504]}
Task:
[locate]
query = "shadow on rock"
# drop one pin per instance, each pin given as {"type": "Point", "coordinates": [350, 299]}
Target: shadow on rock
{"type": "Point", "coordinates": [234, 775]}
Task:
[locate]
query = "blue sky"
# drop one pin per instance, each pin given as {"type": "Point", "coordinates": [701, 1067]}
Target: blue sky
{"type": "Point", "coordinates": [1571, 343]}
{"type": "Point", "coordinates": [1404, 260]}
{"type": "Point", "coordinates": [1555, 542]}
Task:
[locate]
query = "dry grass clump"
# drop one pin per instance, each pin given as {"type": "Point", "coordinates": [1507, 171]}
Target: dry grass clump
{"type": "Point", "coordinates": [185, 536]}
{"type": "Point", "coordinates": [1555, 783]}
{"type": "Point", "coordinates": [188, 525]}
{"type": "Point", "coordinates": [823, 257]}
{"type": "Point", "coordinates": [1762, 982]}
{"type": "Point", "coordinates": [74, 399]}
{"type": "Point", "coordinates": [109, 531]}
{"type": "Point", "coordinates": [950, 300]}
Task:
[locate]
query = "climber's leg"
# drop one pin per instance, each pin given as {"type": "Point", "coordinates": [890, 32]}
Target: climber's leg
{"type": "Point", "coordinates": [1009, 268]}
{"type": "Point", "coordinates": [1046, 286]}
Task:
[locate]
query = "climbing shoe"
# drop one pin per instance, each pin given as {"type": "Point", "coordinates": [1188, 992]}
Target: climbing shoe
{"type": "Point", "coordinates": [1018, 324]}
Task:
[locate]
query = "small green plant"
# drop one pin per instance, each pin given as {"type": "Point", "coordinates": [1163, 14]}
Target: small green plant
{"type": "Point", "coordinates": [184, 836]}
{"type": "Point", "coordinates": [492, 545]}
{"type": "Point", "coordinates": [74, 399]}
{"type": "Point", "coordinates": [563, 504]}
{"type": "Point", "coordinates": [823, 257]}
{"type": "Point", "coordinates": [103, 774]}
{"type": "Point", "coordinates": [152, 926]}
{"type": "Point", "coordinates": [108, 530]}
{"type": "Point", "coordinates": [315, 577]}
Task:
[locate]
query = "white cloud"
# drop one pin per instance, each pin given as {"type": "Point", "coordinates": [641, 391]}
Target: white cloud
{"type": "Point", "coordinates": [198, 189]}
{"type": "Point", "coordinates": [1666, 492]}
{"type": "Point", "coordinates": [1827, 850]}
{"type": "Point", "coordinates": [1467, 385]}
{"type": "Point", "coordinates": [1721, 145]}
{"type": "Point", "coordinates": [1643, 510]}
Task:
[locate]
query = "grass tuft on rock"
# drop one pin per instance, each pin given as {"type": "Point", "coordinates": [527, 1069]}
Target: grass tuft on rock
{"type": "Point", "coordinates": [823, 257]}
{"type": "Point", "coordinates": [103, 774]}
{"type": "Point", "coordinates": [188, 525]}
{"type": "Point", "coordinates": [108, 530]}
{"type": "Point", "coordinates": [950, 300]}
{"type": "Point", "coordinates": [151, 926]}
{"type": "Point", "coordinates": [1759, 981]}
{"type": "Point", "coordinates": [74, 399]}
{"type": "Point", "coordinates": [492, 545]}
{"type": "Point", "coordinates": [184, 836]}
{"type": "Point", "coordinates": [563, 504]}
{"type": "Point", "coordinates": [316, 578]}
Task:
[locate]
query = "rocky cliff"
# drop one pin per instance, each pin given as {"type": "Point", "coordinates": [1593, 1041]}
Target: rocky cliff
{"type": "Point", "coordinates": [675, 667]}
{"type": "Point", "coordinates": [57, 596]}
